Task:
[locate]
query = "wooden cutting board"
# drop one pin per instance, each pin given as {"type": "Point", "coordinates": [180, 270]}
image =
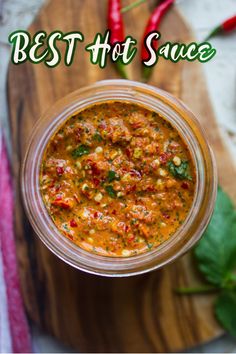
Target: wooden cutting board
{"type": "Point", "coordinates": [91, 313]}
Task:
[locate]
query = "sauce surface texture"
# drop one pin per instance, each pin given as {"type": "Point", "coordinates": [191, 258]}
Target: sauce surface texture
{"type": "Point", "coordinates": [117, 179]}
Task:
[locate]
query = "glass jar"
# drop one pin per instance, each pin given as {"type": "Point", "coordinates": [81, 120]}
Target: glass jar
{"type": "Point", "coordinates": [190, 130]}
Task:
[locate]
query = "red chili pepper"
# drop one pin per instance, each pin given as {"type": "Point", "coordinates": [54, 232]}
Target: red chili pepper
{"type": "Point", "coordinates": [152, 25]}
{"type": "Point", "coordinates": [116, 26]}
{"type": "Point", "coordinates": [225, 27]}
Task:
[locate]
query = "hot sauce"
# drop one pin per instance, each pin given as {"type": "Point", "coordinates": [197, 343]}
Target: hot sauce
{"type": "Point", "coordinates": [117, 179]}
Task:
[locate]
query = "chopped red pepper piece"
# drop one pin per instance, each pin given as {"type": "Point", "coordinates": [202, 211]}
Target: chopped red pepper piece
{"type": "Point", "coordinates": [63, 203]}
{"type": "Point", "coordinates": [185, 185]}
{"type": "Point", "coordinates": [131, 238]}
{"type": "Point", "coordinates": [73, 223]}
{"type": "Point", "coordinates": [152, 25]}
{"type": "Point", "coordinates": [96, 181]}
{"type": "Point", "coordinates": [60, 171]}
{"type": "Point", "coordinates": [164, 156]}
{"type": "Point", "coordinates": [116, 26]}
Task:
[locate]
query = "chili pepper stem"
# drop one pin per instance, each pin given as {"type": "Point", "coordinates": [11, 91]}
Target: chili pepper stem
{"type": "Point", "coordinates": [226, 26]}
{"type": "Point", "coordinates": [132, 6]}
{"type": "Point", "coordinates": [215, 31]}
{"type": "Point", "coordinates": [146, 72]}
{"type": "Point", "coordinates": [121, 70]}
{"type": "Point", "coordinates": [196, 290]}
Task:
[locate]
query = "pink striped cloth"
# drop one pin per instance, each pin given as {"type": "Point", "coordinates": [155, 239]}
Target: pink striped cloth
{"type": "Point", "coordinates": [14, 330]}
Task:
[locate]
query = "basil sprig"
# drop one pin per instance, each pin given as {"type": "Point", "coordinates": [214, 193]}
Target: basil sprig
{"type": "Point", "coordinates": [216, 259]}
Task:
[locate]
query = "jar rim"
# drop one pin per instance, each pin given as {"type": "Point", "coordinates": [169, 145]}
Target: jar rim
{"type": "Point", "coordinates": [186, 123]}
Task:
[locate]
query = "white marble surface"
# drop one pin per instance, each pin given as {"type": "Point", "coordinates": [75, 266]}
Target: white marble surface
{"type": "Point", "coordinates": [221, 79]}
{"type": "Point", "coordinates": [221, 70]}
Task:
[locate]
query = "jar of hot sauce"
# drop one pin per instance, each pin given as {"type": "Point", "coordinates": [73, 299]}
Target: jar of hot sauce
{"type": "Point", "coordinates": [188, 128]}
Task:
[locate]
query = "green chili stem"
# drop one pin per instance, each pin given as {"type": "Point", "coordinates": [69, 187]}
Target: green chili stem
{"type": "Point", "coordinates": [196, 290]}
{"type": "Point", "coordinates": [121, 68]}
{"type": "Point", "coordinates": [214, 32]}
{"type": "Point", "coordinates": [132, 6]}
{"type": "Point", "coordinates": [146, 72]}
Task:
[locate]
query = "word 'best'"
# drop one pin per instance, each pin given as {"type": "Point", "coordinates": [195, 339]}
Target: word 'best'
{"type": "Point", "coordinates": [44, 48]}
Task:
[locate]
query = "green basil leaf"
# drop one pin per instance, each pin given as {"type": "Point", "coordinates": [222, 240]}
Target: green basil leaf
{"type": "Point", "coordinates": [80, 151]}
{"type": "Point", "coordinates": [112, 176]}
{"type": "Point", "coordinates": [216, 251]}
{"type": "Point", "coordinates": [181, 172]}
{"type": "Point", "coordinates": [111, 191]}
{"type": "Point", "coordinates": [225, 310]}
{"type": "Point", "coordinates": [97, 137]}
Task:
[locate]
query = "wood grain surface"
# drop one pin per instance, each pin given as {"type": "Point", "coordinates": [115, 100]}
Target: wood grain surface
{"type": "Point", "coordinates": [91, 313]}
